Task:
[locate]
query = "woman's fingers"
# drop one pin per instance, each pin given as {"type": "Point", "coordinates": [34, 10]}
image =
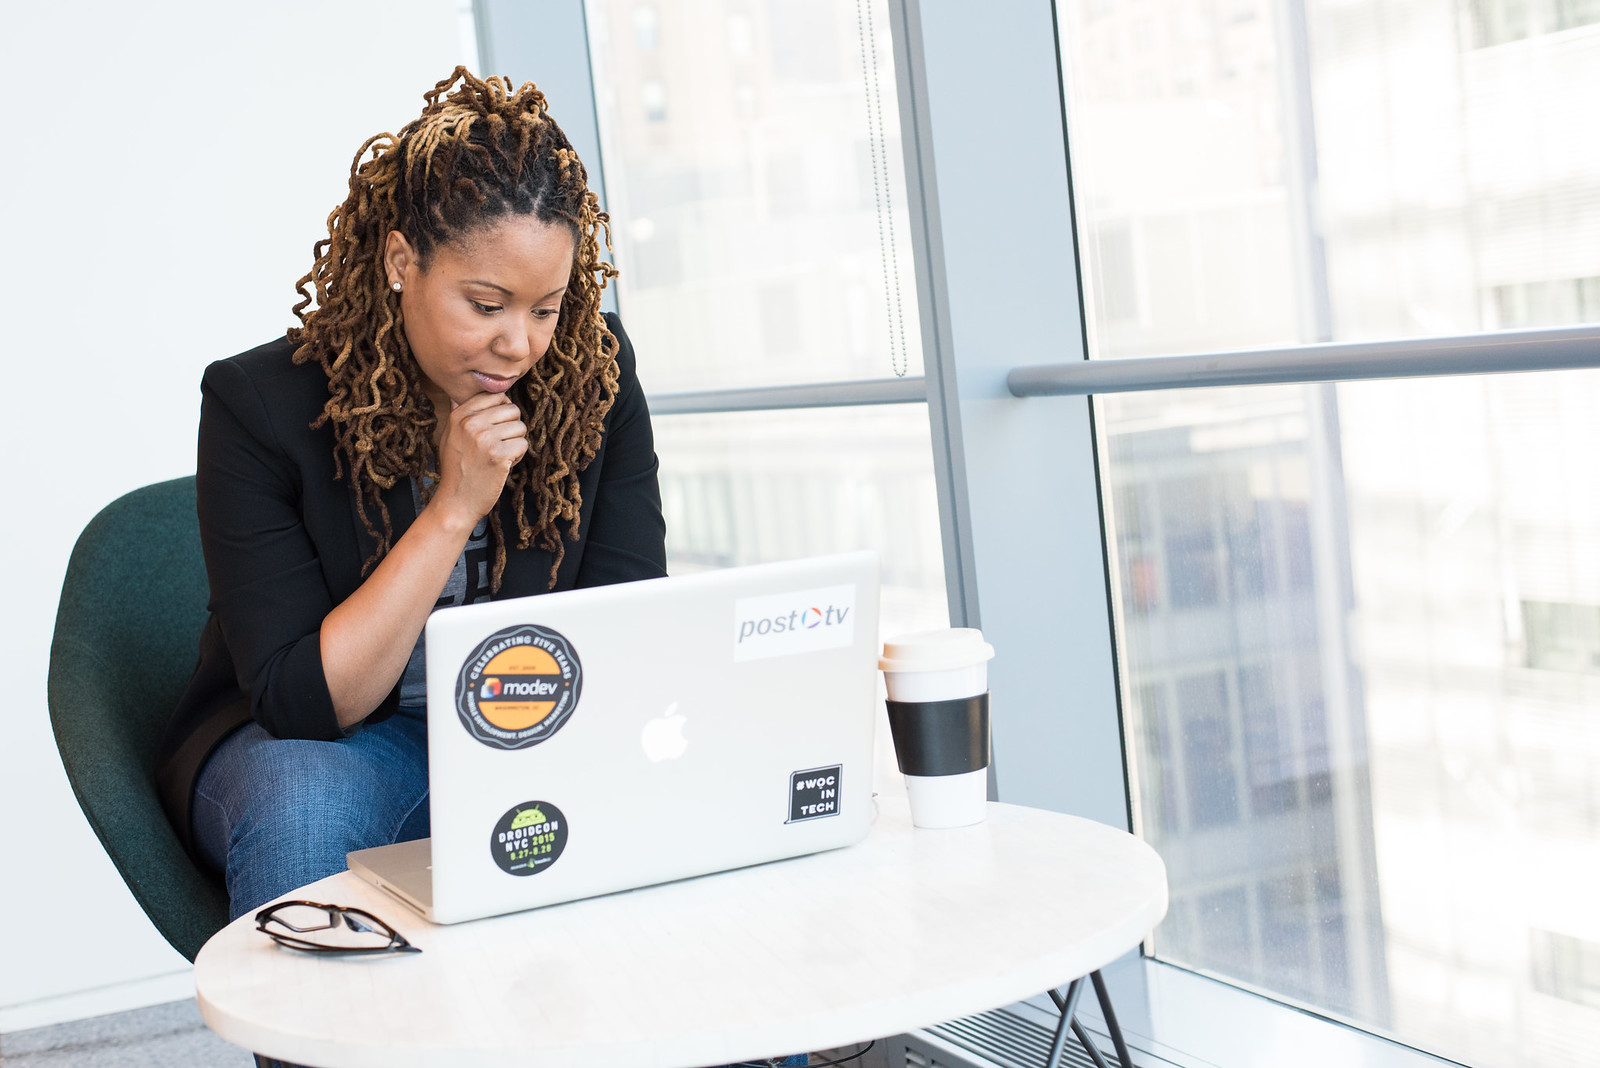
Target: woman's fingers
{"type": "Point", "coordinates": [494, 426]}
{"type": "Point", "coordinates": [510, 450]}
{"type": "Point", "coordinates": [482, 440]}
{"type": "Point", "coordinates": [495, 412]}
{"type": "Point", "coordinates": [481, 404]}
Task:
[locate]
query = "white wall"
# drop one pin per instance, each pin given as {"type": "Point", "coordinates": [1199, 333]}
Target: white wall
{"type": "Point", "coordinates": [165, 170]}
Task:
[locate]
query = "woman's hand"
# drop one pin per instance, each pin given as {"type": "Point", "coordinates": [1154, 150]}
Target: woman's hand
{"type": "Point", "coordinates": [480, 442]}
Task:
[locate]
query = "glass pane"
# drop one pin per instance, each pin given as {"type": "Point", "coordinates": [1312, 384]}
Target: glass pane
{"type": "Point", "coordinates": [1265, 172]}
{"type": "Point", "coordinates": [1359, 629]}
{"type": "Point", "coordinates": [753, 487]}
{"type": "Point", "coordinates": [754, 178]}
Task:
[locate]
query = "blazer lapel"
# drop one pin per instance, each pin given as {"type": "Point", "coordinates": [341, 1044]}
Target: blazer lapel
{"type": "Point", "coordinates": [402, 513]}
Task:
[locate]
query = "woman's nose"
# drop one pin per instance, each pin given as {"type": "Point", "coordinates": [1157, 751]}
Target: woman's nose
{"type": "Point", "coordinates": [513, 343]}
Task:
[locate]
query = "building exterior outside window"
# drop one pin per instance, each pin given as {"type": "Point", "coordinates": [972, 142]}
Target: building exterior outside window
{"type": "Point", "coordinates": [1357, 624]}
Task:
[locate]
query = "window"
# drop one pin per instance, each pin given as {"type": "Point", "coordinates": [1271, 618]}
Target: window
{"type": "Point", "coordinates": [1561, 637]}
{"type": "Point", "coordinates": [653, 100]}
{"type": "Point", "coordinates": [1496, 22]}
{"type": "Point", "coordinates": [762, 240]}
{"type": "Point", "coordinates": [646, 27]}
{"type": "Point", "coordinates": [1372, 602]}
{"type": "Point", "coordinates": [759, 191]}
{"type": "Point", "coordinates": [748, 487]}
{"type": "Point", "coordinates": [1515, 305]}
{"type": "Point", "coordinates": [1564, 966]}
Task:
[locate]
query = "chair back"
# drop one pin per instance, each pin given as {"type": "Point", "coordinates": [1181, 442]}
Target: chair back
{"type": "Point", "coordinates": [126, 638]}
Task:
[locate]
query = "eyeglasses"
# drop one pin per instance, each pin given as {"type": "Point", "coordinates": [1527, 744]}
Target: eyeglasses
{"type": "Point", "coordinates": [316, 928]}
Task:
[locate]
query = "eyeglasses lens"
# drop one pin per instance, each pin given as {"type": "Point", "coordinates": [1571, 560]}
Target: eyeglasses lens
{"type": "Point", "coordinates": [326, 928]}
{"type": "Point", "coordinates": [302, 918]}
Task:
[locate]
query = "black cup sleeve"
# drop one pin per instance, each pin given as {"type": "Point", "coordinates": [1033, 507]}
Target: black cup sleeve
{"type": "Point", "coordinates": [941, 737]}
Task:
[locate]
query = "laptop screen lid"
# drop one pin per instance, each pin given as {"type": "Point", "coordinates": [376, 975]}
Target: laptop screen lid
{"type": "Point", "coordinates": [596, 740]}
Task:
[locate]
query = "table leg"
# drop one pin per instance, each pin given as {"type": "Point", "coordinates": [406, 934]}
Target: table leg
{"type": "Point", "coordinates": [1070, 1018]}
{"type": "Point", "coordinates": [1089, 1046]}
{"type": "Point", "coordinates": [1111, 1020]}
{"type": "Point", "coordinates": [1069, 1006]}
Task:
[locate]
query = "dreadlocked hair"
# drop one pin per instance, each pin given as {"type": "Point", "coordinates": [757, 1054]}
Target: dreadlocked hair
{"type": "Point", "coordinates": [479, 151]}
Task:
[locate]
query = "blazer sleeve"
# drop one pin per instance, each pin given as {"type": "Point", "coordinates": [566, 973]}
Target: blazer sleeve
{"type": "Point", "coordinates": [627, 534]}
{"type": "Point", "coordinates": [268, 593]}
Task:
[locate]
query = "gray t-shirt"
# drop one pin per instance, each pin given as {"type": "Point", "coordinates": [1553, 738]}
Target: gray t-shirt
{"type": "Point", "coordinates": [468, 584]}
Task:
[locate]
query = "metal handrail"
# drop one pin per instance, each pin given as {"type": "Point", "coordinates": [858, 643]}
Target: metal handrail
{"type": "Point", "coordinates": [1565, 349]}
{"type": "Point", "coordinates": [1507, 352]}
{"type": "Point", "coordinates": [908, 390]}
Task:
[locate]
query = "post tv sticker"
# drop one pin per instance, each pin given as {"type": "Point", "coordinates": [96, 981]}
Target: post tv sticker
{"type": "Point", "coordinates": [529, 838]}
{"type": "Point", "coordinates": [814, 794]}
{"type": "Point", "coordinates": [784, 624]}
{"type": "Point", "coordinates": [519, 686]}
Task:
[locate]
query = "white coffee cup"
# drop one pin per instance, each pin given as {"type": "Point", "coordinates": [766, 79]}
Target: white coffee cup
{"type": "Point", "coordinates": [938, 682]}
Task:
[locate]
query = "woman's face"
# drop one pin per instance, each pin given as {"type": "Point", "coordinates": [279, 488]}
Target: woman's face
{"type": "Point", "coordinates": [485, 310]}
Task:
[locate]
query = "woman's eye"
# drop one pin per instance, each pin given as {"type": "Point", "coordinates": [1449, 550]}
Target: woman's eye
{"type": "Point", "coordinates": [546, 313]}
{"type": "Point", "coordinates": [487, 309]}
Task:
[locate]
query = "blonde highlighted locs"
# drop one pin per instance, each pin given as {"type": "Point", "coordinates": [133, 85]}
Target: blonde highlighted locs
{"type": "Point", "coordinates": [479, 151]}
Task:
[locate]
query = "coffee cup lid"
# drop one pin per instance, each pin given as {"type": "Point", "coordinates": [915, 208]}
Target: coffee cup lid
{"type": "Point", "coordinates": [936, 650]}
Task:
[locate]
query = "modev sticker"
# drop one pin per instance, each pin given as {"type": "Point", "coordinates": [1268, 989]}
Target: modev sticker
{"type": "Point", "coordinates": [529, 838]}
{"type": "Point", "coordinates": [519, 686]}
{"type": "Point", "coordinates": [804, 621]}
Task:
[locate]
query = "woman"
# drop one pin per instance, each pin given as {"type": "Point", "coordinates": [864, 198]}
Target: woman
{"type": "Point", "coordinates": [453, 420]}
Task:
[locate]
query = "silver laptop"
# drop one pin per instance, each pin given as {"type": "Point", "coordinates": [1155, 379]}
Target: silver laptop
{"type": "Point", "coordinates": [597, 740]}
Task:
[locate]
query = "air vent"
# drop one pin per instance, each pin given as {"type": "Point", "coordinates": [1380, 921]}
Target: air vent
{"type": "Point", "coordinates": [915, 1059]}
{"type": "Point", "coordinates": [1013, 1041]}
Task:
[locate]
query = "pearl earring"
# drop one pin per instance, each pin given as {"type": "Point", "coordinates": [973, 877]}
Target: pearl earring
{"type": "Point", "coordinates": [397, 287]}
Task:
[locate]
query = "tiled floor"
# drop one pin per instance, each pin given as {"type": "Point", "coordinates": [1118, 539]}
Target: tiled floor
{"type": "Point", "coordinates": [161, 1036]}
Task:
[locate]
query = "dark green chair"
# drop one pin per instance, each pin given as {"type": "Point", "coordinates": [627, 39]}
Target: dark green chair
{"type": "Point", "coordinates": [127, 634]}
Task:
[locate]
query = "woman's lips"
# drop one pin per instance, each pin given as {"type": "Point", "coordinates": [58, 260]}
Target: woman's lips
{"type": "Point", "coordinates": [494, 383]}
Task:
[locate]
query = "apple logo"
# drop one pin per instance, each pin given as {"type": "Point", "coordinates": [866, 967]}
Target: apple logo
{"type": "Point", "coordinates": [663, 736]}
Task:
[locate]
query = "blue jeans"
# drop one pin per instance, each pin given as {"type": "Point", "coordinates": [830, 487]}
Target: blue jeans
{"type": "Point", "coordinates": [272, 814]}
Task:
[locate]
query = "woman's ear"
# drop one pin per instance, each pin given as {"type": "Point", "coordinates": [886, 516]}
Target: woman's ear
{"type": "Point", "coordinates": [399, 258]}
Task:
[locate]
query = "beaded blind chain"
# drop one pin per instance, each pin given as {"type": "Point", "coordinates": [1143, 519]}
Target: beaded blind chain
{"type": "Point", "coordinates": [877, 148]}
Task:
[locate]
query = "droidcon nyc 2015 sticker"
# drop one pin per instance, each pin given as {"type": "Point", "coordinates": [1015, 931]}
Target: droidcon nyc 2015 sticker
{"type": "Point", "coordinates": [519, 686]}
{"type": "Point", "coordinates": [529, 838]}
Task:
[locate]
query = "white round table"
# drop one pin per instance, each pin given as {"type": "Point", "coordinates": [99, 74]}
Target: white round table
{"type": "Point", "coordinates": [906, 929]}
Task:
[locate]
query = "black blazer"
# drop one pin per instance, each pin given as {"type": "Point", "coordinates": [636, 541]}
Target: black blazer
{"type": "Point", "coordinates": [283, 545]}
